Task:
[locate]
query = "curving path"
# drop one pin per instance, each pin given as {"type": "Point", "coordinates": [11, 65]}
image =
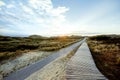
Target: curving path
{"type": "Point", "coordinates": [82, 67]}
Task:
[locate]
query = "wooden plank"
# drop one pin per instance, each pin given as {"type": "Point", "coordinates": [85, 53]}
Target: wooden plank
{"type": "Point", "coordinates": [82, 67]}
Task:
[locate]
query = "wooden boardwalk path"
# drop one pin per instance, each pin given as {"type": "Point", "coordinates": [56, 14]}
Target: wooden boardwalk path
{"type": "Point", "coordinates": [82, 67]}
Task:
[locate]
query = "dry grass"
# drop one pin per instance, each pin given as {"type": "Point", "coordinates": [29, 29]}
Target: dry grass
{"type": "Point", "coordinates": [106, 53]}
{"type": "Point", "coordinates": [11, 47]}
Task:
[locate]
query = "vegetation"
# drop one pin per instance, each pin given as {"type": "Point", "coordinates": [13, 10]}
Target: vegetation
{"type": "Point", "coordinates": [106, 53]}
{"type": "Point", "coordinates": [11, 47]}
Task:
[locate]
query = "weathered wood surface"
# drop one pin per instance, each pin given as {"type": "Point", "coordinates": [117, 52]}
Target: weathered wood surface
{"type": "Point", "coordinates": [82, 67]}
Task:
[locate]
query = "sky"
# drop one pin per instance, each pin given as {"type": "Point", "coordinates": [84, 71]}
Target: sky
{"type": "Point", "coordinates": [59, 17]}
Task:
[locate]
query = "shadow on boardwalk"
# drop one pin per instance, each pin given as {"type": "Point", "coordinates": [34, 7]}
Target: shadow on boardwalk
{"type": "Point", "coordinates": [82, 67]}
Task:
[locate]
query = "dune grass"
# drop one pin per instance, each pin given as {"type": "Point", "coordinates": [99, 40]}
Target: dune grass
{"type": "Point", "coordinates": [106, 53]}
{"type": "Point", "coordinates": [11, 47]}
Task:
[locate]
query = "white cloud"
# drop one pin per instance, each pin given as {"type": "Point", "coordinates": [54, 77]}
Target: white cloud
{"type": "Point", "coordinates": [41, 4]}
{"type": "Point", "coordinates": [2, 3]}
{"type": "Point", "coordinates": [52, 16]}
{"type": "Point", "coordinates": [10, 6]}
{"type": "Point", "coordinates": [58, 11]}
{"type": "Point", "coordinates": [9, 13]}
{"type": "Point", "coordinates": [38, 20]}
{"type": "Point", "coordinates": [34, 17]}
{"type": "Point", "coordinates": [27, 9]}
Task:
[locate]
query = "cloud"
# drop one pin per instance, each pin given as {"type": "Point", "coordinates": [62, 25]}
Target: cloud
{"type": "Point", "coordinates": [27, 9]}
{"type": "Point", "coordinates": [10, 6]}
{"type": "Point", "coordinates": [41, 4]}
{"type": "Point", "coordinates": [32, 16]}
{"type": "Point", "coordinates": [58, 11]}
{"type": "Point", "coordinates": [2, 3]}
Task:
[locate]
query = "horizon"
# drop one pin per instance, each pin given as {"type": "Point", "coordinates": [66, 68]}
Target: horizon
{"type": "Point", "coordinates": [59, 17]}
{"type": "Point", "coordinates": [87, 34]}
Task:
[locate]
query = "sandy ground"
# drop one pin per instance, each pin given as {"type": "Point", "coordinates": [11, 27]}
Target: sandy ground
{"type": "Point", "coordinates": [1, 77]}
{"type": "Point", "coordinates": [54, 70]}
{"type": "Point", "coordinates": [22, 61]}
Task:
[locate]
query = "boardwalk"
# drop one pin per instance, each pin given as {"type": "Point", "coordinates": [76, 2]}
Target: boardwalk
{"type": "Point", "coordinates": [82, 67]}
